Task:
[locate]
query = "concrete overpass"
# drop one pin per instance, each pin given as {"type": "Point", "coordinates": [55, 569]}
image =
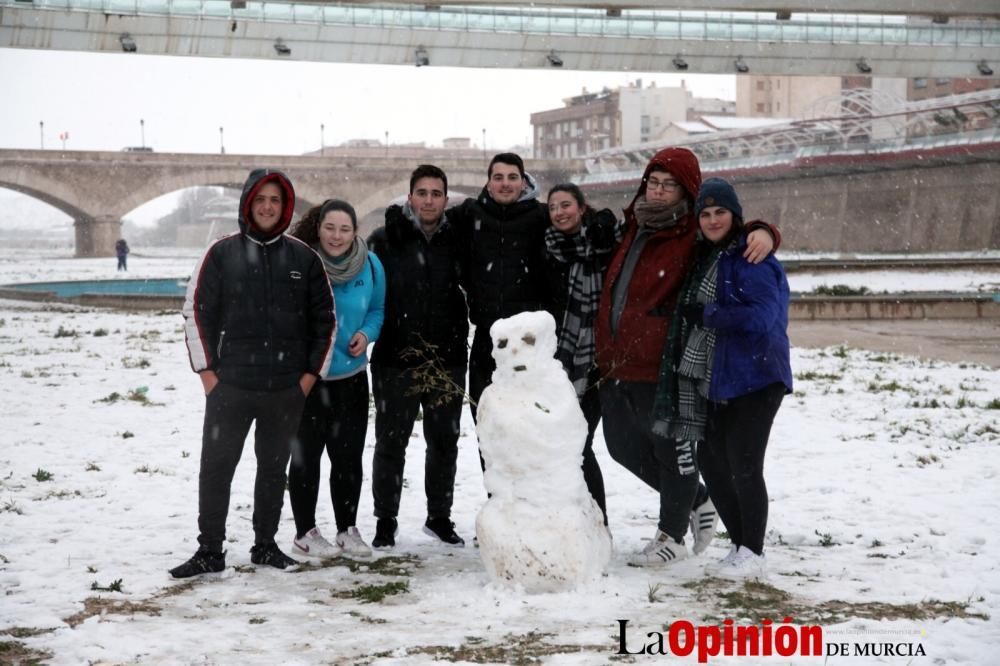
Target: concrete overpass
{"type": "Point", "coordinates": [98, 188]}
{"type": "Point", "coordinates": [756, 36]}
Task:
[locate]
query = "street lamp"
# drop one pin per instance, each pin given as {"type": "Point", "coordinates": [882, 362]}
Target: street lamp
{"type": "Point", "coordinates": [387, 143]}
{"type": "Point", "coordinates": [484, 143]}
{"type": "Point", "coordinates": [322, 141]}
{"type": "Point", "coordinates": [142, 131]}
{"type": "Point", "coordinates": [222, 143]}
{"type": "Point", "coordinates": [41, 133]}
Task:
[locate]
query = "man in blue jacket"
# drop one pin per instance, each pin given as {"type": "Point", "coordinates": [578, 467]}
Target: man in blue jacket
{"type": "Point", "coordinates": [259, 326]}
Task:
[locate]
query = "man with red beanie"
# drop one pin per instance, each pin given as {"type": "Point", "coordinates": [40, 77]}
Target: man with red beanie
{"type": "Point", "coordinates": [259, 325]}
{"type": "Point", "coordinates": [640, 292]}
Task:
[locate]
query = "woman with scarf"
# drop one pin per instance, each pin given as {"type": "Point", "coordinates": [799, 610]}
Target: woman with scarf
{"type": "Point", "coordinates": [335, 418]}
{"type": "Point", "coordinates": [640, 291]}
{"type": "Point", "coordinates": [579, 245]}
{"type": "Point", "coordinates": [725, 370]}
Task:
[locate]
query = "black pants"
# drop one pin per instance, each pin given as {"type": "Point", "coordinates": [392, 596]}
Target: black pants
{"type": "Point", "coordinates": [335, 420]}
{"type": "Point", "coordinates": [732, 461]}
{"type": "Point", "coordinates": [229, 412]}
{"type": "Point", "coordinates": [665, 465]}
{"type": "Point", "coordinates": [123, 263]}
{"type": "Point", "coordinates": [590, 403]}
{"type": "Point", "coordinates": [398, 397]}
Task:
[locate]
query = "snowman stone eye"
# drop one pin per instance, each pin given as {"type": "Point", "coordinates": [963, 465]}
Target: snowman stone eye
{"type": "Point", "coordinates": [502, 343]}
{"type": "Point", "coordinates": [528, 339]}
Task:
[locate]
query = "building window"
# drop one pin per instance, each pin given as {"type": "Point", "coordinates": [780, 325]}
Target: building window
{"type": "Point", "coordinates": [920, 83]}
{"type": "Point", "coordinates": [760, 107]}
{"type": "Point", "coordinates": [942, 82]}
{"type": "Point", "coordinates": [760, 85]}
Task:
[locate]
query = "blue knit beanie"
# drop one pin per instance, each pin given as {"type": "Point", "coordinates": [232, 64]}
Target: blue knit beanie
{"type": "Point", "coordinates": [718, 192]}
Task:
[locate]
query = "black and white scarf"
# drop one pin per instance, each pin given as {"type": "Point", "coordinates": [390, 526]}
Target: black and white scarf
{"type": "Point", "coordinates": [576, 347]}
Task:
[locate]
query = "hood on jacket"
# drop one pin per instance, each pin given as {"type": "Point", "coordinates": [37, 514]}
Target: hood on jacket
{"type": "Point", "coordinates": [257, 179]}
{"type": "Point", "coordinates": [530, 191]}
{"type": "Point", "coordinates": [680, 163]}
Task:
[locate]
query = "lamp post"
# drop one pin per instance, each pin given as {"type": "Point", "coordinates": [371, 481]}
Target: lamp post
{"type": "Point", "coordinates": [41, 133]}
{"type": "Point", "coordinates": [322, 141]}
{"type": "Point", "coordinates": [387, 143]}
{"type": "Point", "coordinates": [222, 142]}
{"type": "Point", "coordinates": [142, 132]}
{"type": "Point", "coordinates": [484, 144]}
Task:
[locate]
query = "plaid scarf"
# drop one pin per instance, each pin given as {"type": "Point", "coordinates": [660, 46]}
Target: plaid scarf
{"type": "Point", "coordinates": [586, 279]}
{"type": "Point", "coordinates": [681, 406]}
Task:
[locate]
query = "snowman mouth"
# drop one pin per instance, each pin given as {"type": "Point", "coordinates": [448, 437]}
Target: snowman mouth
{"type": "Point", "coordinates": [520, 368]}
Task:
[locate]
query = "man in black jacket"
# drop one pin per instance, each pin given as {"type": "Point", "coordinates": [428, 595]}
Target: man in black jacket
{"type": "Point", "coordinates": [503, 242]}
{"type": "Point", "coordinates": [259, 325]}
{"type": "Point", "coordinates": [419, 360]}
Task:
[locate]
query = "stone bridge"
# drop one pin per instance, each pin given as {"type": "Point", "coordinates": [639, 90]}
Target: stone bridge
{"type": "Point", "coordinates": [98, 188]}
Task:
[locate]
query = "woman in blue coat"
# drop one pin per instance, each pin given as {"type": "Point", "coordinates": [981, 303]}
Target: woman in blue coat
{"type": "Point", "coordinates": [726, 369]}
{"type": "Point", "coordinates": [335, 418]}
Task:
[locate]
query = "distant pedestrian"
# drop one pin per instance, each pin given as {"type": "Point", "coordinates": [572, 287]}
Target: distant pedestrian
{"type": "Point", "coordinates": [259, 325]}
{"type": "Point", "coordinates": [335, 418]}
{"type": "Point", "coordinates": [725, 370]}
{"type": "Point", "coordinates": [121, 251]}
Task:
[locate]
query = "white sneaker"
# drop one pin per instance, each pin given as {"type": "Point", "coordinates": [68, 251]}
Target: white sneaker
{"type": "Point", "coordinates": [713, 567]}
{"type": "Point", "coordinates": [351, 542]}
{"type": "Point", "coordinates": [745, 564]}
{"type": "Point", "coordinates": [312, 544]}
{"type": "Point", "coordinates": [703, 520]}
{"type": "Point", "coordinates": [660, 552]}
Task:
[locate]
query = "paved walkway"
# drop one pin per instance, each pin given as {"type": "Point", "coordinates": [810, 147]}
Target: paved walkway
{"type": "Point", "coordinates": [974, 340]}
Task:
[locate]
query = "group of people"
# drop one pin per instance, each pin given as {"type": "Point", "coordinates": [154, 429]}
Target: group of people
{"type": "Point", "coordinates": [671, 325]}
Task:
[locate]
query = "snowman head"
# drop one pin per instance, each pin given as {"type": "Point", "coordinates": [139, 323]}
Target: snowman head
{"type": "Point", "coordinates": [524, 342]}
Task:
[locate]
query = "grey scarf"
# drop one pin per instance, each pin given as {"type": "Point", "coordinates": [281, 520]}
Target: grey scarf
{"type": "Point", "coordinates": [345, 267]}
{"type": "Point", "coordinates": [658, 215]}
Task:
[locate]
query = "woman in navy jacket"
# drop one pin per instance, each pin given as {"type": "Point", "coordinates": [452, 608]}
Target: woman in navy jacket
{"type": "Point", "coordinates": [726, 369]}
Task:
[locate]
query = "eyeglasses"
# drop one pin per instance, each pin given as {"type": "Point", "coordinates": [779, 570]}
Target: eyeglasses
{"type": "Point", "coordinates": [665, 185]}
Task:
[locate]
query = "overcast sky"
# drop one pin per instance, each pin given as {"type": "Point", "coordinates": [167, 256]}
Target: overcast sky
{"type": "Point", "coordinates": [270, 107]}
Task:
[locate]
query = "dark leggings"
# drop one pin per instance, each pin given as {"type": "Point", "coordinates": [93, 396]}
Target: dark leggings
{"type": "Point", "coordinates": [732, 462]}
{"type": "Point", "coordinates": [335, 420]}
{"type": "Point", "coordinates": [665, 465]}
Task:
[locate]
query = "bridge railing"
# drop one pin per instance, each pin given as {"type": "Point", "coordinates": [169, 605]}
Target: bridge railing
{"type": "Point", "coordinates": [711, 26]}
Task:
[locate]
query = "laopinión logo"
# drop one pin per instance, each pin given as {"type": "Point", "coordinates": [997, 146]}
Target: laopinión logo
{"type": "Point", "coordinates": [682, 638]}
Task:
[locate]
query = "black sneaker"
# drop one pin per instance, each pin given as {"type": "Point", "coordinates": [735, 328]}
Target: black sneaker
{"type": "Point", "coordinates": [443, 529]}
{"type": "Point", "coordinates": [202, 562]}
{"type": "Point", "coordinates": [271, 555]}
{"type": "Point", "coordinates": [385, 533]}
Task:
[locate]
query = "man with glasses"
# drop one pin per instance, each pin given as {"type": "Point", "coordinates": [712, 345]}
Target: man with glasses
{"type": "Point", "coordinates": [640, 292]}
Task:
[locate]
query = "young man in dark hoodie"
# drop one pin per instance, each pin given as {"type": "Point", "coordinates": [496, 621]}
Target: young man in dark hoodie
{"type": "Point", "coordinates": [503, 236]}
{"type": "Point", "coordinates": [259, 325]}
{"type": "Point", "coordinates": [426, 319]}
{"type": "Point", "coordinates": [636, 306]}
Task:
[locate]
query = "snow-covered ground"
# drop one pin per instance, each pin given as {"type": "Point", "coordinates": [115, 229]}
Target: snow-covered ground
{"type": "Point", "coordinates": [883, 474]}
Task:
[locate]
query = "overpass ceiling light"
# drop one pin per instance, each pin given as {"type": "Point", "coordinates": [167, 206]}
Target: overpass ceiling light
{"type": "Point", "coordinates": [554, 59]}
{"type": "Point", "coordinates": [741, 66]}
{"type": "Point", "coordinates": [863, 66]}
{"type": "Point", "coordinates": [680, 63]}
{"type": "Point", "coordinates": [128, 44]}
{"type": "Point", "coordinates": [281, 48]}
{"type": "Point", "coordinates": [421, 58]}
{"type": "Point", "coordinates": [984, 68]}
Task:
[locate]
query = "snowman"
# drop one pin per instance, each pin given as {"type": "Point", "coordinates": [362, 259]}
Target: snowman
{"type": "Point", "coordinates": [540, 529]}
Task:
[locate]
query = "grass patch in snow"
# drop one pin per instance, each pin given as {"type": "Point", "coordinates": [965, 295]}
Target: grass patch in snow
{"type": "Point", "coordinates": [65, 333]}
{"type": "Point", "coordinates": [758, 601]}
{"type": "Point", "coordinates": [16, 652]}
{"type": "Point", "coordinates": [393, 565]}
{"type": "Point", "coordinates": [515, 650]}
{"type": "Point", "coordinates": [376, 593]}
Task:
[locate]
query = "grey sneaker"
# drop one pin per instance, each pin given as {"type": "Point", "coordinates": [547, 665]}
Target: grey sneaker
{"type": "Point", "coordinates": [704, 519]}
{"type": "Point", "coordinates": [314, 544]}
{"type": "Point", "coordinates": [352, 544]}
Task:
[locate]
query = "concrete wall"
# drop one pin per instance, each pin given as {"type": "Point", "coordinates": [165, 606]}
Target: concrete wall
{"type": "Point", "coordinates": [921, 209]}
